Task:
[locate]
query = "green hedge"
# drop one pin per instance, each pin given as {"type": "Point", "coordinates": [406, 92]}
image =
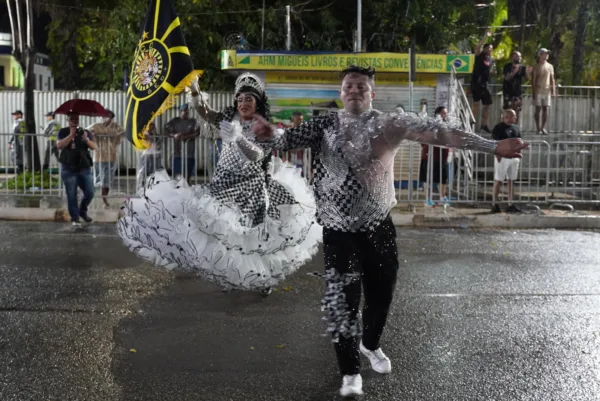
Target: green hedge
{"type": "Point", "coordinates": [27, 180]}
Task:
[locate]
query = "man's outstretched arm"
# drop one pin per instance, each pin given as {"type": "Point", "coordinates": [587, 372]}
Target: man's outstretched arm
{"type": "Point", "coordinates": [434, 132]}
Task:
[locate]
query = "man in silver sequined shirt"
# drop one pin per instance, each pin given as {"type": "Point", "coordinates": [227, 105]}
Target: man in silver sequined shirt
{"type": "Point", "coordinates": [353, 154]}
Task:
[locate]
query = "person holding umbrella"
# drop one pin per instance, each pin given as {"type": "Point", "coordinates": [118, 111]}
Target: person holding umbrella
{"type": "Point", "coordinates": [76, 162]}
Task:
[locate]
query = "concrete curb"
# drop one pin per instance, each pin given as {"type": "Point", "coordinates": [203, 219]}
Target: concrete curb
{"type": "Point", "coordinates": [499, 221]}
{"type": "Point", "coordinates": [56, 215]}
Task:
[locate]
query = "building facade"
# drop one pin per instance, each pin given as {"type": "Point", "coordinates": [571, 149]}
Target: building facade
{"type": "Point", "coordinates": [11, 75]}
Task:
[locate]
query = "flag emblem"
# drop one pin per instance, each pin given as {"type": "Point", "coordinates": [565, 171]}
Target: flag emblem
{"type": "Point", "coordinates": [162, 67]}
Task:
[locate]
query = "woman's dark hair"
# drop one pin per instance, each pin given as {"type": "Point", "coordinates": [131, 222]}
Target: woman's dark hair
{"type": "Point", "coordinates": [262, 103]}
{"type": "Point", "coordinates": [438, 110]}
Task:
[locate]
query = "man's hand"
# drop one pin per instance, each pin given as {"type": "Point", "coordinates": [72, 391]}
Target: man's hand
{"type": "Point", "coordinates": [72, 132]}
{"type": "Point", "coordinates": [511, 148]}
{"type": "Point", "coordinates": [262, 128]}
{"type": "Point", "coordinates": [85, 136]}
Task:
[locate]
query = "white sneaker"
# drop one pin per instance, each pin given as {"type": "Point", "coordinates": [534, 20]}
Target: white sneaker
{"type": "Point", "coordinates": [351, 386]}
{"type": "Point", "coordinates": [379, 362]}
{"type": "Point", "coordinates": [76, 224]}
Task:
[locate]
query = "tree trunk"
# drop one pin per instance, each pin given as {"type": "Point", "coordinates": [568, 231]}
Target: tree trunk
{"type": "Point", "coordinates": [31, 144]}
{"type": "Point", "coordinates": [579, 46]}
{"type": "Point", "coordinates": [24, 51]}
{"type": "Point", "coordinates": [556, 43]}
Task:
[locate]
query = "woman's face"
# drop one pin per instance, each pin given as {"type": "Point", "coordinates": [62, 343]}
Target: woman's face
{"type": "Point", "coordinates": [246, 105]}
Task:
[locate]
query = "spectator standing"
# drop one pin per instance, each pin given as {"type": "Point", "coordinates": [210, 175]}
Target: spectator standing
{"type": "Point", "coordinates": [512, 88]}
{"type": "Point", "coordinates": [184, 130]}
{"type": "Point", "coordinates": [108, 135]}
{"type": "Point", "coordinates": [16, 141]}
{"type": "Point", "coordinates": [505, 169]}
{"type": "Point", "coordinates": [543, 86]}
{"type": "Point", "coordinates": [480, 78]}
{"type": "Point", "coordinates": [76, 162]}
{"type": "Point", "coordinates": [439, 172]}
{"type": "Point", "coordinates": [50, 132]}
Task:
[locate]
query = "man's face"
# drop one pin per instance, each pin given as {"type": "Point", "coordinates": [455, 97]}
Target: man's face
{"type": "Point", "coordinates": [516, 57]}
{"type": "Point", "coordinates": [297, 120]}
{"type": "Point", "coordinates": [510, 117]}
{"type": "Point", "coordinates": [49, 118]}
{"type": "Point", "coordinates": [356, 93]}
{"type": "Point", "coordinates": [444, 114]}
{"type": "Point", "coordinates": [488, 50]}
{"type": "Point", "coordinates": [184, 114]}
{"type": "Point", "coordinates": [73, 121]}
{"type": "Point", "coordinates": [17, 116]}
{"type": "Point", "coordinates": [543, 56]}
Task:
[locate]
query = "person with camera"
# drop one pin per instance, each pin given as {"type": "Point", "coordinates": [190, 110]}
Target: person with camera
{"type": "Point", "coordinates": [512, 89]}
{"type": "Point", "coordinates": [76, 163]}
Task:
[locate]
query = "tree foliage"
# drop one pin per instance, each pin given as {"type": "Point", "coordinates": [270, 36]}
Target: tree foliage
{"type": "Point", "coordinates": [92, 43]}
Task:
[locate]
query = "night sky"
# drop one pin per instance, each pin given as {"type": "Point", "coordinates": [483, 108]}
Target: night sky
{"type": "Point", "coordinates": [39, 27]}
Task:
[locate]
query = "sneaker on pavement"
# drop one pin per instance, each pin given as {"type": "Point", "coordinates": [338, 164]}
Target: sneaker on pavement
{"type": "Point", "coordinates": [544, 131]}
{"type": "Point", "coordinates": [496, 209]}
{"type": "Point", "coordinates": [76, 223]}
{"type": "Point", "coordinates": [379, 362]}
{"type": "Point", "coordinates": [351, 386]}
{"type": "Point", "coordinates": [513, 209]}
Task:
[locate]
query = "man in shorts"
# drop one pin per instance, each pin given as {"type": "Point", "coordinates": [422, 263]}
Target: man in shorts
{"type": "Point", "coordinates": [505, 169]}
{"type": "Point", "coordinates": [543, 86]}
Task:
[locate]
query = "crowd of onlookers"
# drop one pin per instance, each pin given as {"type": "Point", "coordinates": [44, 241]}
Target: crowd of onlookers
{"type": "Point", "coordinates": [70, 145]}
{"type": "Point", "coordinates": [540, 75]}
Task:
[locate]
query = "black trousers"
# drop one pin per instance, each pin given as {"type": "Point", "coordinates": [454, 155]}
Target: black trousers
{"type": "Point", "coordinates": [373, 257]}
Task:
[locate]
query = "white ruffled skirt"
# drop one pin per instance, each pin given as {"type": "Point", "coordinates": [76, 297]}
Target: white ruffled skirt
{"type": "Point", "coordinates": [176, 226]}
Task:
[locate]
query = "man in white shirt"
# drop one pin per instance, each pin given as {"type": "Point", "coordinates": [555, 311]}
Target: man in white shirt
{"type": "Point", "coordinates": [543, 86]}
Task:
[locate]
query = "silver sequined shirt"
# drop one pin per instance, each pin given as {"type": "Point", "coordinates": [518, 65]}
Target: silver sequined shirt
{"type": "Point", "coordinates": [353, 160]}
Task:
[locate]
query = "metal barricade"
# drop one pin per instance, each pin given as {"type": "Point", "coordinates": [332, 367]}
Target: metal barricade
{"type": "Point", "coordinates": [575, 175]}
{"type": "Point", "coordinates": [446, 177]}
{"type": "Point", "coordinates": [15, 177]}
{"type": "Point", "coordinates": [566, 171]}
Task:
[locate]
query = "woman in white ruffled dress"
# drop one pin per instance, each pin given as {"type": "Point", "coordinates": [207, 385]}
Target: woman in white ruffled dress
{"type": "Point", "coordinates": [251, 227]}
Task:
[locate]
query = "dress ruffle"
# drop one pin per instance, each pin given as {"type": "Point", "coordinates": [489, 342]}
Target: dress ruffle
{"type": "Point", "coordinates": [176, 226]}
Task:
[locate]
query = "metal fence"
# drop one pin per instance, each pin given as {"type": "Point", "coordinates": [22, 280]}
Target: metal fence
{"type": "Point", "coordinates": [575, 109]}
{"type": "Point", "coordinates": [45, 101]}
{"type": "Point", "coordinates": [566, 172]}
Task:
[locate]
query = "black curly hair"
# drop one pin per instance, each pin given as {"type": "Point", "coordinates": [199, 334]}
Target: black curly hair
{"type": "Point", "coordinates": [262, 101]}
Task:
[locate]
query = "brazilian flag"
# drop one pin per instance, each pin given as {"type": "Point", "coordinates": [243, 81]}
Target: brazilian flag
{"type": "Point", "coordinates": [162, 68]}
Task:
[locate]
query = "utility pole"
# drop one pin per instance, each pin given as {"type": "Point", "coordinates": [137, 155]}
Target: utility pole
{"type": "Point", "coordinates": [262, 32]}
{"type": "Point", "coordinates": [523, 20]}
{"type": "Point", "coordinates": [288, 23]}
{"type": "Point", "coordinates": [359, 25]}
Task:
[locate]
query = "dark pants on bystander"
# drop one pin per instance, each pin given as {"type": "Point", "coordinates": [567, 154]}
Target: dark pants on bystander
{"type": "Point", "coordinates": [72, 180]}
{"type": "Point", "coordinates": [374, 257]}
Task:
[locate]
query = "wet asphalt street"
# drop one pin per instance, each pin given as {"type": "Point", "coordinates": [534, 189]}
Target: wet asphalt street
{"type": "Point", "coordinates": [478, 315]}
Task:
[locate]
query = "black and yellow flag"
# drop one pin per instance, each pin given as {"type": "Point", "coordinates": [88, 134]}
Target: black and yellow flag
{"type": "Point", "coordinates": [162, 68]}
